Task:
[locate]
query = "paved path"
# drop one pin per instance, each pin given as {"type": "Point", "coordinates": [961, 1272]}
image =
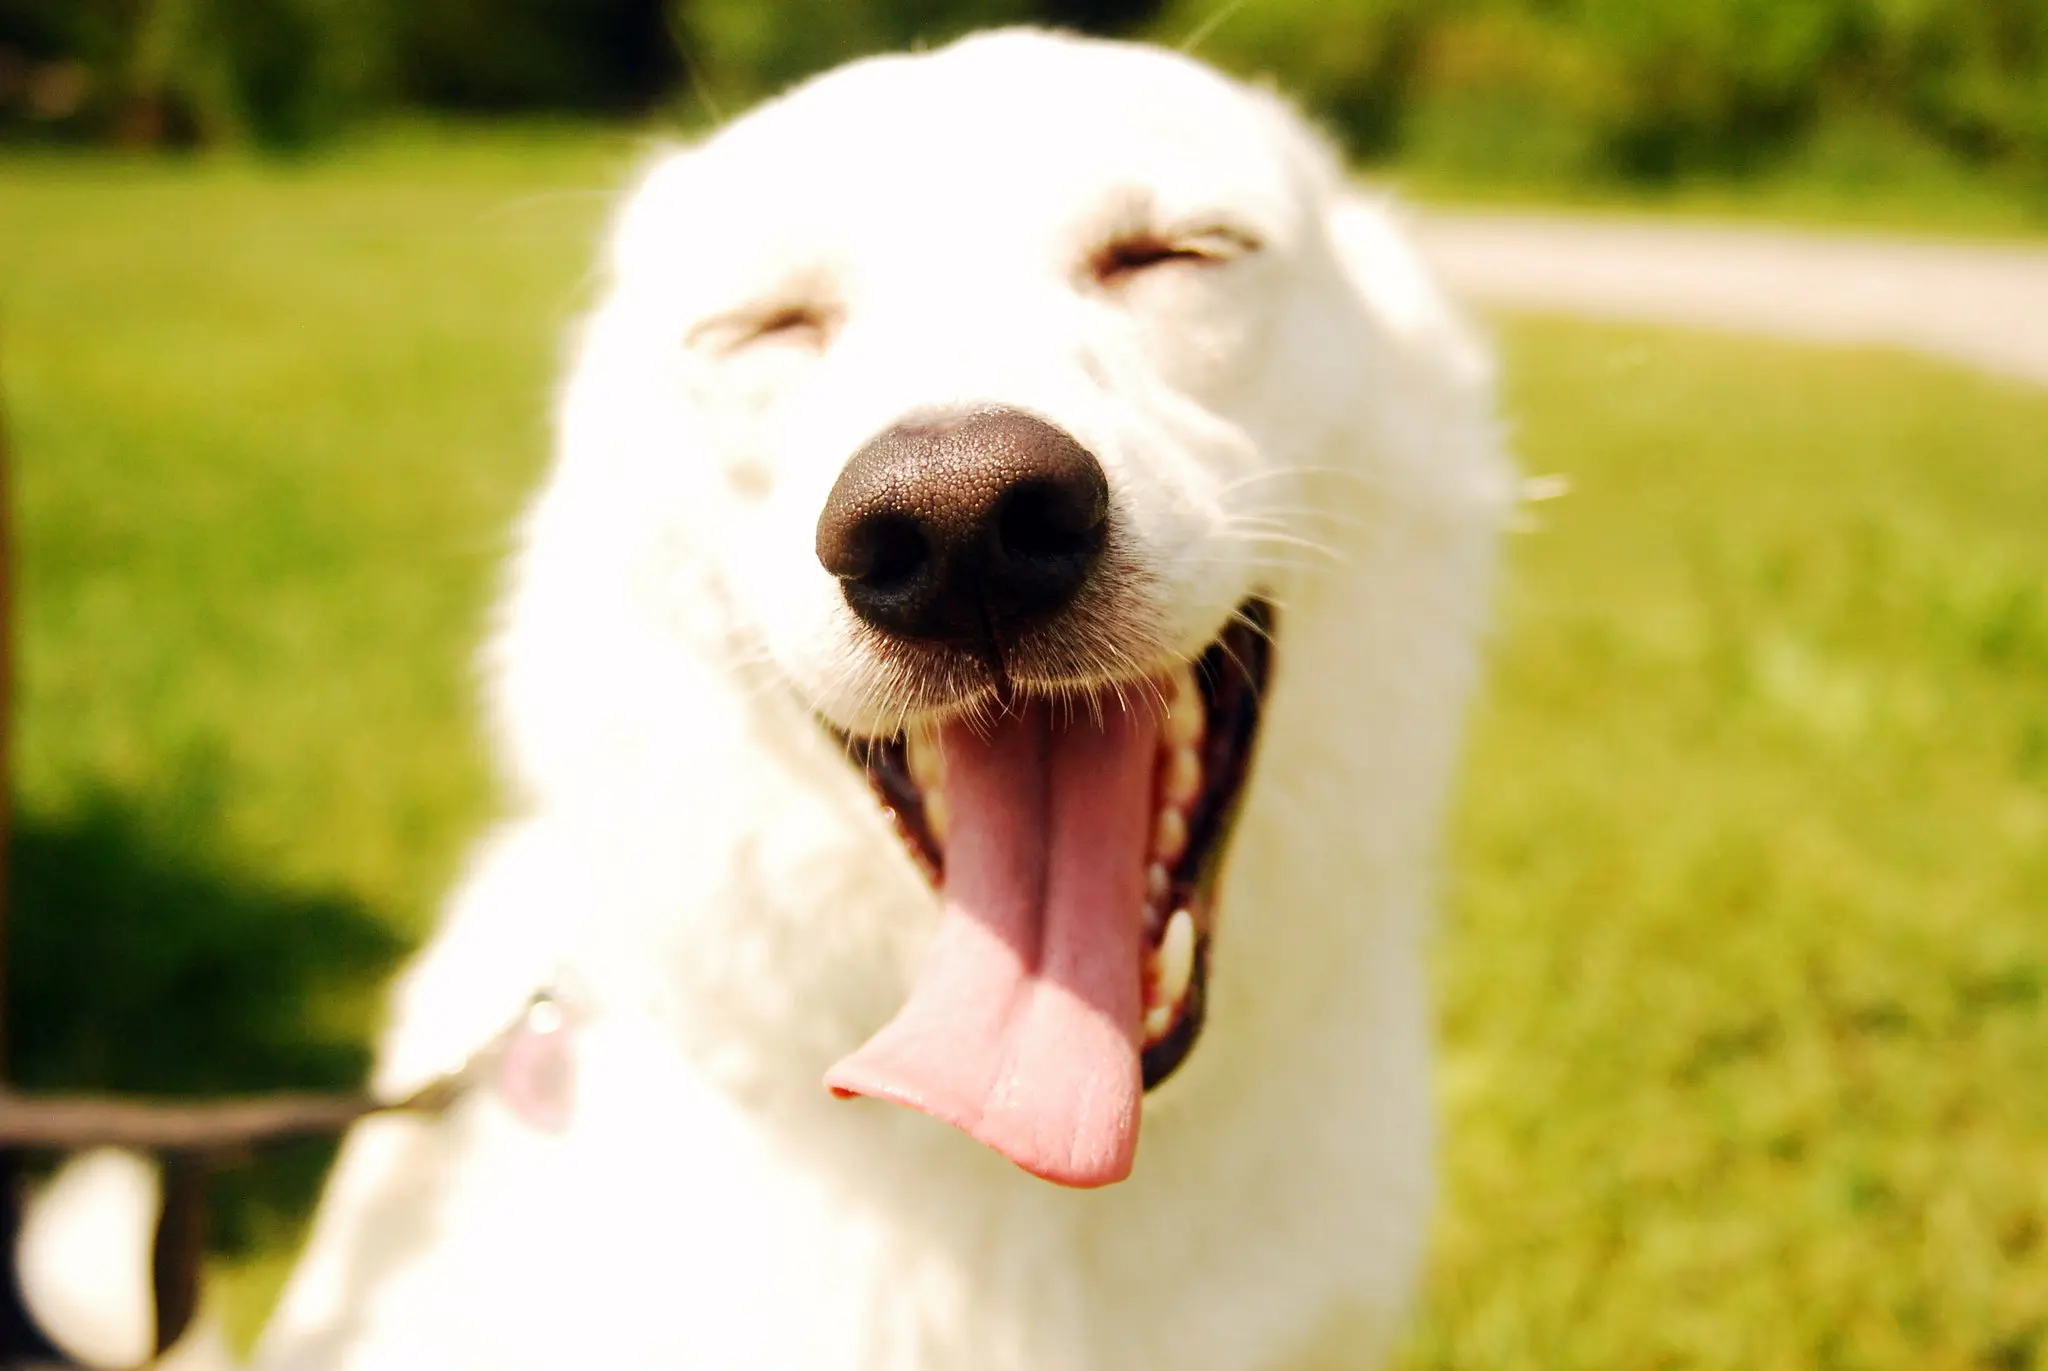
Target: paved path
{"type": "Point", "coordinates": [1983, 305]}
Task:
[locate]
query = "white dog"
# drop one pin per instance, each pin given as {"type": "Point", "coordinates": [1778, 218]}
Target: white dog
{"type": "Point", "coordinates": [993, 641]}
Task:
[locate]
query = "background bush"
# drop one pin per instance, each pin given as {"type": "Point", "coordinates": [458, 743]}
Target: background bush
{"type": "Point", "coordinates": [1649, 90]}
{"type": "Point", "coordinates": [279, 73]}
{"type": "Point", "coordinates": [1631, 91]}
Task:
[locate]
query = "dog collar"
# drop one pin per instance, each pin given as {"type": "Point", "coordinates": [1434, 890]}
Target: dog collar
{"type": "Point", "coordinates": [529, 1065]}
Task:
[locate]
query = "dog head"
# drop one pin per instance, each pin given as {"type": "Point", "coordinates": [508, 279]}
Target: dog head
{"type": "Point", "coordinates": [993, 407]}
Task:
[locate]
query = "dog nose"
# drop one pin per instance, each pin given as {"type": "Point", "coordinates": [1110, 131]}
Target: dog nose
{"type": "Point", "coordinates": [947, 529]}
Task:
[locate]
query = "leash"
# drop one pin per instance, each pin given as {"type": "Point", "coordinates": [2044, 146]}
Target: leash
{"type": "Point", "coordinates": [527, 1063]}
{"type": "Point", "coordinates": [73, 1123]}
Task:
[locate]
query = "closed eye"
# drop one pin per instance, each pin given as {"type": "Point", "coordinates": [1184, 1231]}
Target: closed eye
{"type": "Point", "coordinates": [1130, 254]}
{"type": "Point", "coordinates": [799, 325]}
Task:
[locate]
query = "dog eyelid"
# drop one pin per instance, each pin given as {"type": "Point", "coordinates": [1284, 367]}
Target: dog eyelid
{"type": "Point", "coordinates": [1127, 254]}
{"type": "Point", "coordinates": [797, 323]}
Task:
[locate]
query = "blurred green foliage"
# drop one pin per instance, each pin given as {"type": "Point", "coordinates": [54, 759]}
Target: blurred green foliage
{"type": "Point", "coordinates": [743, 49]}
{"type": "Point", "coordinates": [583, 55]}
{"type": "Point", "coordinates": [286, 73]}
{"type": "Point", "coordinates": [1651, 90]}
{"type": "Point", "coordinates": [1563, 90]}
{"type": "Point", "coordinates": [279, 73]}
{"type": "Point", "coordinates": [1570, 92]}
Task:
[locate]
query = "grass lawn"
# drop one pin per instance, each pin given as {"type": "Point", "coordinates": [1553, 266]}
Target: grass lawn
{"type": "Point", "coordinates": [1744, 978]}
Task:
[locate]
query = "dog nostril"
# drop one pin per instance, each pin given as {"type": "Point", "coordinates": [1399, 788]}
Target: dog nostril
{"type": "Point", "coordinates": [884, 550]}
{"type": "Point", "coordinates": [1052, 520]}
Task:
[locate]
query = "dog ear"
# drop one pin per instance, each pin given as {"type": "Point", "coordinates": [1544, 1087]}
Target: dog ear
{"type": "Point", "coordinates": [1444, 441]}
{"type": "Point", "coordinates": [1375, 250]}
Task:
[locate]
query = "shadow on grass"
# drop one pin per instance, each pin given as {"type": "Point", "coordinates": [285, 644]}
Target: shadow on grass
{"type": "Point", "coordinates": [141, 959]}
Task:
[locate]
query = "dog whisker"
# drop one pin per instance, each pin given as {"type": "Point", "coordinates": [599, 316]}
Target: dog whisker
{"type": "Point", "coordinates": [520, 204]}
{"type": "Point", "coordinates": [1284, 515]}
{"type": "Point", "coordinates": [1259, 537]}
{"type": "Point", "coordinates": [684, 46]}
{"type": "Point", "coordinates": [1296, 474]}
{"type": "Point", "coordinates": [1215, 20]}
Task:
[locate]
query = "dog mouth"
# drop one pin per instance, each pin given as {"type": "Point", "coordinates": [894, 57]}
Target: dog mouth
{"type": "Point", "coordinates": [1076, 842]}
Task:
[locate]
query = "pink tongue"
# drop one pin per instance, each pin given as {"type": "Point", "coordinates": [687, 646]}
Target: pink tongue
{"type": "Point", "coordinates": [1022, 1029]}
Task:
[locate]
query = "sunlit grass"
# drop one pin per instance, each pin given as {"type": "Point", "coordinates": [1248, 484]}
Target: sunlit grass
{"type": "Point", "coordinates": [1746, 981]}
{"type": "Point", "coordinates": [1745, 975]}
{"type": "Point", "coordinates": [272, 425]}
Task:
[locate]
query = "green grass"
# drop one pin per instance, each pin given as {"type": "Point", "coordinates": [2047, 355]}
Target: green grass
{"type": "Point", "coordinates": [1744, 979]}
{"type": "Point", "coordinates": [1745, 984]}
{"type": "Point", "coordinates": [271, 425]}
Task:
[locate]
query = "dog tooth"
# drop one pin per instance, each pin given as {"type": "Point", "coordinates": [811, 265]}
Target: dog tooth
{"type": "Point", "coordinates": [1183, 726]}
{"type": "Point", "coordinates": [927, 761]}
{"type": "Point", "coordinates": [1176, 960]}
{"type": "Point", "coordinates": [1182, 780]}
{"type": "Point", "coordinates": [544, 1016]}
{"type": "Point", "coordinates": [1156, 883]}
{"type": "Point", "coordinates": [935, 814]}
{"type": "Point", "coordinates": [1159, 1022]}
{"type": "Point", "coordinates": [1170, 837]}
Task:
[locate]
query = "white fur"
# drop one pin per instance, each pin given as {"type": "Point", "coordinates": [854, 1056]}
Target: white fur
{"type": "Point", "coordinates": [701, 875]}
